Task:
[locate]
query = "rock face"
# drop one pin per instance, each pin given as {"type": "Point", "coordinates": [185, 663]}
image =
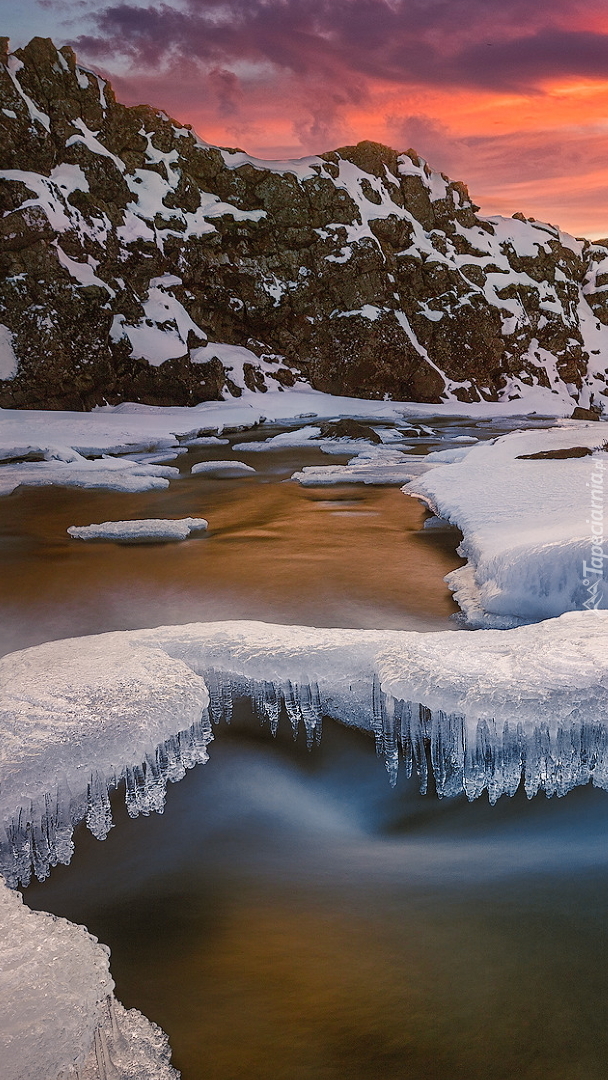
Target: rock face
{"type": "Point", "coordinates": [138, 263]}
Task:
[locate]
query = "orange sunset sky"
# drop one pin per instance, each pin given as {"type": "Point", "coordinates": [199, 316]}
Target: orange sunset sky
{"type": "Point", "coordinates": [510, 97]}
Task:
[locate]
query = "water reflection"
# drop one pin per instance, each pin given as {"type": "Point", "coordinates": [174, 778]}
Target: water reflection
{"type": "Point", "coordinates": [274, 551]}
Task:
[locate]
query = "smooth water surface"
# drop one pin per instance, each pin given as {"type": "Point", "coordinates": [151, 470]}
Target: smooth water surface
{"type": "Point", "coordinates": [347, 555]}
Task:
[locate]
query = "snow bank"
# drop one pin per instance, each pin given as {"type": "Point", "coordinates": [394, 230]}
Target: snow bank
{"type": "Point", "coordinates": [113, 428]}
{"type": "Point", "coordinates": [140, 531]}
{"type": "Point", "coordinates": [531, 527]}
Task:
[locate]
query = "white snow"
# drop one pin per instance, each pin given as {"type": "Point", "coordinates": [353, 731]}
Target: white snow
{"type": "Point", "coordinates": [375, 465]}
{"type": "Point", "coordinates": [300, 437]}
{"type": "Point", "coordinates": [133, 427]}
{"type": "Point", "coordinates": [162, 333]}
{"type": "Point", "coordinates": [530, 527]}
{"type": "Point", "coordinates": [233, 358]}
{"type": "Point", "coordinates": [141, 530]}
{"type": "Point", "coordinates": [110, 473]}
{"type": "Point", "coordinates": [206, 440]}
{"type": "Point", "coordinates": [82, 272]}
{"type": "Point", "coordinates": [8, 360]}
{"type": "Point", "coordinates": [222, 469]}
{"type": "Point", "coordinates": [90, 140]}
{"type": "Point", "coordinates": [13, 66]}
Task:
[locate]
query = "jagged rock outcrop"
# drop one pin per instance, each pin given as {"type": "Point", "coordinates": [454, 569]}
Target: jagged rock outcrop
{"type": "Point", "coordinates": [138, 263]}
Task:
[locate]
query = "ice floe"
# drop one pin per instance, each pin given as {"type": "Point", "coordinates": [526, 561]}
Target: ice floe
{"type": "Point", "coordinates": [223, 468]}
{"type": "Point", "coordinates": [59, 1014]}
{"type": "Point", "coordinates": [111, 473]}
{"type": "Point", "coordinates": [140, 531]}
{"type": "Point", "coordinates": [374, 465]}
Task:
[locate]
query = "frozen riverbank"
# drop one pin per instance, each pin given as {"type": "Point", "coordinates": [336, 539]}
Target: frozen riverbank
{"type": "Point", "coordinates": [531, 506]}
{"type": "Point", "coordinates": [88, 449]}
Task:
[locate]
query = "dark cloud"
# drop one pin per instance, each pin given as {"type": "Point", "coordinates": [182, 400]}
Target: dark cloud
{"type": "Point", "coordinates": [479, 43]}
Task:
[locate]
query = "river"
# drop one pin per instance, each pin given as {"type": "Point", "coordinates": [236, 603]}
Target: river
{"type": "Point", "coordinates": [291, 916]}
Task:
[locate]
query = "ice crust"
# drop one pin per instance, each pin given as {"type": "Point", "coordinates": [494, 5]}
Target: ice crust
{"type": "Point", "coordinates": [77, 716]}
{"type": "Point", "coordinates": [140, 531]}
{"type": "Point", "coordinates": [59, 1014]}
{"type": "Point", "coordinates": [527, 524]}
{"type": "Point", "coordinates": [75, 719]}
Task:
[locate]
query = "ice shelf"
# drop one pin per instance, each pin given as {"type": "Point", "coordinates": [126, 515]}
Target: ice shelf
{"type": "Point", "coordinates": [471, 711]}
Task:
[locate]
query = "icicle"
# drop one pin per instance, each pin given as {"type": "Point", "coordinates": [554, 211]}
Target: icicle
{"type": "Point", "coordinates": [117, 1038]}
{"type": "Point", "coordinates": [266, 700]}
{"type": "Point", "coordinates": [310, 708]}
{"type": "Point", "coordinates": [105, 1065]}
{"type": "Point", "coordinates": [403, 716]}
{"type": "Point", "coordinates": [377, 712]}
{"type": "Point", "coordinates": [390, 744]}
{"type": "Point", "coordinates": [216, 709]}
{"type": "Point", "coordinates": [538, 757]}
{"type": "Point", "coordinates": [99, 812]}
{"type": "Point", "coordinates": [291, 698]}
{"type": "Point", "coordinates": [447, 752]}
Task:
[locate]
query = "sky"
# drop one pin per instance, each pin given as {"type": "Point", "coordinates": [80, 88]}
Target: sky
{"type": "Point", "coordinates": [510, 96]}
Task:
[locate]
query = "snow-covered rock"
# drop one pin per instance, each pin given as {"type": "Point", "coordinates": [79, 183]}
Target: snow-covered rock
{"type": "Point", "coordinates": [361, 271]}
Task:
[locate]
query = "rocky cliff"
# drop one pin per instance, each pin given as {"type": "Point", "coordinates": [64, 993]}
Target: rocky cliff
{"type": "Point", "coordinates": [139, 263]}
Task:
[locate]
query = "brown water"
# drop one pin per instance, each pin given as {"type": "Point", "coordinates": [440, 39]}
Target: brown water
{"type": "Point", "coordinates": [290, 917]}
{"type": "Point", "coordinates": [338, 556]}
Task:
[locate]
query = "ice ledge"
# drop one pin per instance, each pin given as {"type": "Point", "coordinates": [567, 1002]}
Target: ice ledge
{"type": "Point", "coordinates": [478, 710]}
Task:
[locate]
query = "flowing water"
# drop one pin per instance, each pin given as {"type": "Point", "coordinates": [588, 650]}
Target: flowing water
{"type": "Point", "coordinates": [291, 916]}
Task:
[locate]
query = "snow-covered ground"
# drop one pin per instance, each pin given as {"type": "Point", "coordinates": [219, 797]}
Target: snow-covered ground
{"type": "Point", "coordinates": [140, 531]}
{"type": "Point", "coordinates": [533, 529]}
